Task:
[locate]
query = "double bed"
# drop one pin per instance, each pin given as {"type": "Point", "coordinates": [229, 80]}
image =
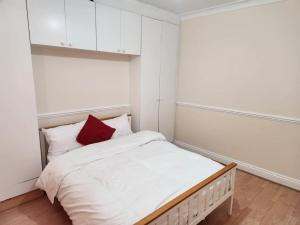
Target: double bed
{"type": "Point", "coordinates": [137, 179]}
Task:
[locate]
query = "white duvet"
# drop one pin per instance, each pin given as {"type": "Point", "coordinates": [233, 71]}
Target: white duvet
{"type": "Point", "coordinates": [118, 182]}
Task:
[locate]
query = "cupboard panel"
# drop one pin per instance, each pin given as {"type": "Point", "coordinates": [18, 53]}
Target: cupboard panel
{"type": "Point", "coordinates": [168, 75]}
{"type": "Point", "coordinates": [108, 21]}
{"type": "Point", "coordinates": [150, 70]}
{"type": "Point", "coordinates": [81, 24]}
{"type": "Point", "coordinates": [131, 28]}
{"type": "Point", "coordinates": [47, 22]}
{"type": "Point", "coordinates": [20, 156]}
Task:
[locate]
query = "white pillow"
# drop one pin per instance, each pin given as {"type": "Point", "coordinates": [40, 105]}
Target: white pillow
{"type": "Point", "coordinates": [121, 124]}
{"type": "Point", "coordinates": [63, 138]}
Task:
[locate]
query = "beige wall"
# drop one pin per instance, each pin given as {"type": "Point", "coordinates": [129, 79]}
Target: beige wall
{"type": "Point", "coordinates": [67, 79]}
{"type": "Point", "coordinates": [248, 60]}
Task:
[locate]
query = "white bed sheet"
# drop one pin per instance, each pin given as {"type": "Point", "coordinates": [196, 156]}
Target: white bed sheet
{"type": "Point", "coordinates": [118, 182]}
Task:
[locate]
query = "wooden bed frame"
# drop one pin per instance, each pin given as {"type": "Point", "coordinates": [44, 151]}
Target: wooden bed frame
{"type": "Point", "coordinates": [190, 207]}
{"type": "Point", "coordinates": [195, 204]}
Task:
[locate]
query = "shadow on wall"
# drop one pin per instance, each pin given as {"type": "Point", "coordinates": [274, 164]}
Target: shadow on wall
{"type": "Point", "coordinates": [77, 53]}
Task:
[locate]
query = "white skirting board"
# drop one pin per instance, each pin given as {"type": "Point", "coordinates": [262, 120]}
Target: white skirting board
{"type": "Point", "coordinates": [247, 167]}
{"type": "Point", "coordinates": [17, 189]}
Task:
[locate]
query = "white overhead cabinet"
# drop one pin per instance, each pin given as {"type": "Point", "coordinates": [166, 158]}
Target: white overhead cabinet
{"type": "Point", "coordinates": [47, 22]}
{"type": "Point", "coordinates": [108, 28]}
{"type": "Point", "coordinates": [81, 24]}
{"type": "Point", "coordinates": [64, 23]}
{"type": "Point", "coordinates": [131, 33]}
{"type": "Point", "coordinates": [72, 24]}
{"type": "Point", "coordinates": [153, 78]}
{"type": "Point", "coordinates": [118, 31]}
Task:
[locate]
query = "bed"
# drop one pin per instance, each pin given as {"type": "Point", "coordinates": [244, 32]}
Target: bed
{"type": "Point", "coordinates": [136, 179]}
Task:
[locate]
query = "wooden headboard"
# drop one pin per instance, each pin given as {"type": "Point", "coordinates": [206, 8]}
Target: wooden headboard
{"type": "Point", "coordinates": [44, 145]}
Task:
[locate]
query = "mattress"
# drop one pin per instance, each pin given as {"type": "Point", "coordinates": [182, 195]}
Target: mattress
{"type": "Point", "coordinates": [120, 181]}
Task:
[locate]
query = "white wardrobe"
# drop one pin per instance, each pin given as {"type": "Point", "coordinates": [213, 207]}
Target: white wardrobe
{"type": "Point", "coordinates": [20, 158]}
{"type": "Point", "coordinates": [153, 78]}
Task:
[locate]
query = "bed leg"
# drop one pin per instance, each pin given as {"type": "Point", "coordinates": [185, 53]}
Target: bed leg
{"type": "Point", "coordinates": [230, 205]}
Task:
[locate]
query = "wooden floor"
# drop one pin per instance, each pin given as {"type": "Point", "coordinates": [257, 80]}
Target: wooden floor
{"type": "Point", "coordinates": [257, 202]}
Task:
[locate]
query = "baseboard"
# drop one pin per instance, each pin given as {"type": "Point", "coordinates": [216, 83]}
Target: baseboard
{"type": "Point", "coordinates": [247, 167]}
{"type": "Point", "coordinates": [18, 189]}
{"type": "Point", "coordinates": [19, 200]}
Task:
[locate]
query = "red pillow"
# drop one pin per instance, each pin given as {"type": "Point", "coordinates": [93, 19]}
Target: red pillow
{"type": "Point", "coordinates": [94, 131]}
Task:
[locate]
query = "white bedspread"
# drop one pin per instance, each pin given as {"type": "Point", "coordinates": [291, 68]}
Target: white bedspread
{"type": "Point", "coordinates": [120, 181]}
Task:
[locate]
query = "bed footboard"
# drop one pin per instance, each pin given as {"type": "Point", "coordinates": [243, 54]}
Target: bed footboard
{"type": "Point", "coordinates": [194, 205]}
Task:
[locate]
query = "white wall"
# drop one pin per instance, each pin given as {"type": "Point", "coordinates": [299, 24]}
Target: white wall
{"type": "Point", "coordinates": [243, 60]}
{"type": "Point", "coordinates": [20, 160]}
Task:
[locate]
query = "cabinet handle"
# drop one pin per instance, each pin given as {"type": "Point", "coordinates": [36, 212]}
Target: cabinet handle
{"type": "Point", "coordinates": [124, 51]}
{"type": "Point", "coordinates": [70, 45]}
{"type": "Point", "coordinates": [62, 44]}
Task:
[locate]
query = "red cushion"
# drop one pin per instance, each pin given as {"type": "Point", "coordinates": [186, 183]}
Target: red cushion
{"type": "Point", "coordinates": [94, 131]}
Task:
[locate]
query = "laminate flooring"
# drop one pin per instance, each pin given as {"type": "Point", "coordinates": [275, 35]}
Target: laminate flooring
{"type": "Point", "coordinates": [256, 202]}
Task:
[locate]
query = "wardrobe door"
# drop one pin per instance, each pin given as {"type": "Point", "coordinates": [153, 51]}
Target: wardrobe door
{"type": "Point", "coordinates": [108, 21]}
{"type": "Point", "coordinates": [150, 69]}
{"type": "Point", "coordinates": [81, 24]}
{"type": "Point", "coordinates": [169, 52]}
{"type": "Point", "coordinates": [131, 28]}
{"type": "Point", "coordinates": [47, 22]}
{"type": "Point", "coordinates": [20, 155]}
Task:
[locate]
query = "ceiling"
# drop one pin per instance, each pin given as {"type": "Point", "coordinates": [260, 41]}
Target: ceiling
{"type": "Point", "coordinates": [184, 6]}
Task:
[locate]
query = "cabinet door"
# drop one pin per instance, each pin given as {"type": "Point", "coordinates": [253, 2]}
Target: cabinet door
{"type": "Point", "coordinates": [108, 21]}
{"type": "Point", "coordinates": [81, 24]}
{"type": "Point", "coordinates": [168, 76]}
{"type": "Point", "coordinates": [150, 68]}
{"type": "Point", "coordinates": [47, 22]}
{"type": "Point", "coordinates": [20, 155]}
{"type": "Point", "coordinates": [131, 28]}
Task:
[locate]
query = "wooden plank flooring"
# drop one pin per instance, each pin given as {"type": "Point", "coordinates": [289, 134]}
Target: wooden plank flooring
{"type": "Point", "coordinates": [257, 202]}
